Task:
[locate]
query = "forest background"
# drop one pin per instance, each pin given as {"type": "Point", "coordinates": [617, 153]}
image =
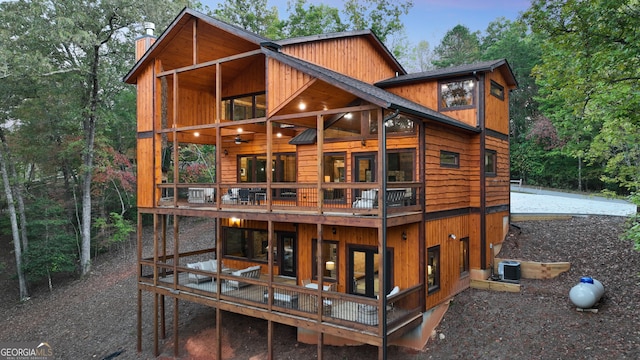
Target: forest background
{"type": "Point", "coordinates": [68, 122]}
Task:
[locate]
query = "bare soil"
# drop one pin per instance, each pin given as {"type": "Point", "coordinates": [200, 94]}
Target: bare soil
{"type": "Point", "coordinates": [95, 317]}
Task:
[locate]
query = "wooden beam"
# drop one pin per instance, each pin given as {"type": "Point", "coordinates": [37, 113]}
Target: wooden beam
{"type": "Point", "coordinates": [494, 285]}
{"type": "Point", "coordinates": [538, 270]}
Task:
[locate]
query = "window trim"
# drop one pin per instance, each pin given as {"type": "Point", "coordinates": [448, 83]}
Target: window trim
{"type": "Point", "coordinates": [435, 250]}
{"type": "Point", "coordinates": [495, 85]}
{"type": "Point", "coordinates": [456, 156]}
{"type": "Point", "coordinates": [314, 263]}
{"type": "Point", "coordinates": [457, 107]}
{"type": "Point", "coordinates": [494, 155]}
{"type": "Point", "coordinates": [253, 104]}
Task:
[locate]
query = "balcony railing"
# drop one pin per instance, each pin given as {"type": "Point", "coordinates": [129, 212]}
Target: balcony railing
{"type": "Point", "coordinates": [357, 199]}
{"type": "Point", "coordinates": [339, 309]}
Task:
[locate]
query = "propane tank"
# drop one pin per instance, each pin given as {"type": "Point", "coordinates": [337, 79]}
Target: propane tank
{"type": "Point", "coordinates": [586, 293]}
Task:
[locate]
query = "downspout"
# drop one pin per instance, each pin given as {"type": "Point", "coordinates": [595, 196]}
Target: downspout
{"type": "Point", "coordinates": [483, 177]}
{"type": "Point", "coordinates": [382, 133]}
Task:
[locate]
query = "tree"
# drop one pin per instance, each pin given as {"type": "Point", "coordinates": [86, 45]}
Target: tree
{"type": "Point", "coordinates": [251, 15]}
{"type": "Point", "coordinates": [420, 57]}
{"type": "Point", "coordinates": [383, 17]}
{"type": "Point", "coordinates": [589, 80]}
{"type": "Point", "coordinates": [308, 19]}
{"type": "Point", "coordinates": [459, 46]}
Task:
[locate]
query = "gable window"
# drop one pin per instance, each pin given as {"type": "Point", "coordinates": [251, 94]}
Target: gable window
{"type": "Point", "coordinates": [399, 124]}
{"type": "Point", "coordinates": [456, 94]}
{"type": "Point", "coordinates": [449, 159]}
{"type": "Point", "coordinates": [490, 158]}
{"type": "Point", "coordinates": [464, 256]}
{"type": "Point", "coordinates": [497, 90]}
{"type": "Point", "coordinates": [433, 268]}
{"type": "Point", "coordinates": [329, 260]}
{"type": "Point", "coordinates": [244, 107]}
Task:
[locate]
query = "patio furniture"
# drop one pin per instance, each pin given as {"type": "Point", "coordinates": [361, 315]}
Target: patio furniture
{"type": "Point", "coordinates": [208, 265]}
{"type": "Point", "coordinates": [252, 272]}
{"type": "Point", "coordinates": [366, 200]}
{"type": "Point", "coordinates": [232, 196]}
{"type": "Point", "coordinates": [282, 299]}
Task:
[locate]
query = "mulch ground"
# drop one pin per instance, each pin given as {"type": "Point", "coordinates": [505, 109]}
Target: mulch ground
{"type": "Point", "coordinates": [95, 317]}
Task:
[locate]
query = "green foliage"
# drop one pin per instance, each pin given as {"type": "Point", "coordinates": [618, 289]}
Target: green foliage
{"type": "Point", "coordinates": [252, 15]}
{"type": "Point", "coordinates": [52, 245]}
{"type": "Point", "coordinates": [459, 46]}
{"type": "Point", "coordinates": [114, 230]}
{"type": "Point", "coordinates": [383, 17]}
{"type": "Point", "coordinates": [308, 19]}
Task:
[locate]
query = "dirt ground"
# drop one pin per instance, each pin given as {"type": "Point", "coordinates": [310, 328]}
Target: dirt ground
{"type": "Point", "coordinates": [95, 317]}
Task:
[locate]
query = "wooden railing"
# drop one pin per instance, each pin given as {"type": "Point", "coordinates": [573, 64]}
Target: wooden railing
{"type": "Point", "coordinates": [328, 307]}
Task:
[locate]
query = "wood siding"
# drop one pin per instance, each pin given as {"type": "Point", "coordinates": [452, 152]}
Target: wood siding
{"type": "Point", "coordinates": [496, 110]}
{"type": "Point", "coordinates": [447, 188]}
{"type": "Point", "coordinates": [437, 233]}
{"type": "Point", "coordinates": [284, 82]}
{"type": "Point", "coordinates": [351, 56]}
{"type": "Point", "coordinates": [497, 187]}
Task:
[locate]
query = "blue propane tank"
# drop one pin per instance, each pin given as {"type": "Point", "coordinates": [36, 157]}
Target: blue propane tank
{"type": "Point", "coordinates": [586, 293]}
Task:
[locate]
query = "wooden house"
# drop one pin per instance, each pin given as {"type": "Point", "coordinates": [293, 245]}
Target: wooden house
{"type": "Point", "coordinates": [343, 196]}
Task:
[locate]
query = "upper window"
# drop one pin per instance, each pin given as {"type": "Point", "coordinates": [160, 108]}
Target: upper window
{"type": "Point", "coordinates": [449, 159]}
{"type": "Point", "coordinates": [397, 124]}
{"type": "Point", "coordinates": [497, 90]}
{"type": "Point", "coordinates": [244, 107]}
{"type": "Point", "coordinates": [490, 159]}
{"type": "Point", "coordinates": [457, 94]}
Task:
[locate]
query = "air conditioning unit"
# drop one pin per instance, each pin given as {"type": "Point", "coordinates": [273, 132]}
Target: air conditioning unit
{"type": "Point", "coordinates": [509, 270]}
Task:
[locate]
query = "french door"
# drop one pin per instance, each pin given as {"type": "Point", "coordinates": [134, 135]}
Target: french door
{"type": "Point", "coordinates": [363, 270]}
{"type": "Point", "coordinates": [287, 254]}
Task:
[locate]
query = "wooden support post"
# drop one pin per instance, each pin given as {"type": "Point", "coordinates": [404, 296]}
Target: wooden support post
{"type": "Point", "coordinates": [139, 320]}
{"type": "Point", "coordinates": [176, 339]}
{"type": "Point", "coordinates": [320, 340]}
{"type": "Point", "coordinates": [156, 352]}
{"type": "Point", "coordinates": [269, 339]}
{"type": "Point", "coordinates": [218, 333]}
{"type": "Point", "coordinates": [163, 325]}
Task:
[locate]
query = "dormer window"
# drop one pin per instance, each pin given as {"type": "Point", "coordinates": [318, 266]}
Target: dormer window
{"type": "Point", "coordinates": [457, 94]}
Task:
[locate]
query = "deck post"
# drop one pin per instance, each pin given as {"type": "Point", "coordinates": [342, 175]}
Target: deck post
{"type": "Point", "coordinates": [176, 339]}
{"type": "Point", "coordinates": [269, 339]}
{"type": "Point", "coordinates": [139, 320]}
{"type": "Point", "coordinates": [218, 332]}
{"type": "Point", "coordinates": [156, 353]}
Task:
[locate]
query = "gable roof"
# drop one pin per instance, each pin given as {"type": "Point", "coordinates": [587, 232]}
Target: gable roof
{"type": "Point", "coordinates": [180, 20]}
{"type": "Point", "coordinates": [453, 71]}
{"type": "Point", "coordinates": [367, 92]}
{"type": "Point", "coordinates": [368, 34]}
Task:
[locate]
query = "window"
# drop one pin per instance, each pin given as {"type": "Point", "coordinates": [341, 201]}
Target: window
{"type": "Point", "coordinates": [457, 94]}
{"type": "Point", "coordinates": [449, 159]}
{"type": "Point", "coordinates": [245, 243]}
{"type": "Point", "coordinates": [490, 157]}
{"type": "Point", "coordinates": [253, 168]}
{"type": "Point", "coordinates": [464, 256]}
{"type": "Point", "coordinates": [398, 124]}
{"type": "Point", "coordinates": [433, 268]}
{"type": "Point", "coordinates": [244, 107]}
{"type": "Point", "coordinates": [329, 259]}
{"type": "Point", "coordinates": [497, 90]}
{"type": "Point", "coordinates": [400, 165]}
{"type": "Point", "coordinates": [334, 167]}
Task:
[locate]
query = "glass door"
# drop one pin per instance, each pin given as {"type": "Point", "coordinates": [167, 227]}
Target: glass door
{"type": "Point", "coordinates": [287, 256]}
{"type": "Point", "coordinates": [364, 170]}
{"type": "Point", "coordinates": [363, 270]}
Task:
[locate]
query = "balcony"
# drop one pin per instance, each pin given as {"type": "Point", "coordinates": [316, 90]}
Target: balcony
{"type": "Point", "coordinates": [281, 298]}
{"type": "Point", "coordinates": [340, 198]}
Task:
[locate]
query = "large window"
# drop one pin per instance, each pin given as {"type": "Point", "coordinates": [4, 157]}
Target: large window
{"type": "Point", "coordinates": [433, 268]}
{"type": "Point", "coordinates": [457, 94]}
{"type": "Point", "coordinates": [253, 168]}
{"type": "Point", "coordinates": [490, 159]}
{"type": "Point", "coordinates": [329, 260]}
{"type": "Point", "coordinates": [464, 256]}
{"type": "Point", "coordinates": [400, 165]}
{"type": "Point", "coordinates": [245, 243]}
{"type": "Point", "coordinates": [397, 124]}
{"type": "Point", "coordinates": [244, 107]}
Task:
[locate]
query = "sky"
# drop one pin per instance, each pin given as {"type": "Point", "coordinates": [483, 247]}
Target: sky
{"type": "Point", "coordinates": [431, 19]}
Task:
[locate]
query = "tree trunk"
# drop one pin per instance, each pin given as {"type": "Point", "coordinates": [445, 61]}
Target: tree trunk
{"type": "Point", "coordinates": [17, 191]}
{"type": "Point", "coordinates": [24, 294]}
{"type": "Point", "coordinates": [87, 161]}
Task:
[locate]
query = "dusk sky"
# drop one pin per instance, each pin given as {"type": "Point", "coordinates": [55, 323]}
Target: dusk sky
{"type": "Point", "coordinates": [431, 19]}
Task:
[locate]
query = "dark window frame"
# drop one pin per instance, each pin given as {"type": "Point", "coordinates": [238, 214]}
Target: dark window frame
{"type": "Point", "coordinates": [433, 260]}
{"type": "Point", "coordinates": [231, 99]}
{"type": "Point", "coordinates": [442, 105]}
{"type": "Point", "coordinates": [456, 157]}
{"type": "Point", "coordinates": [496, 90]}
{"type": "Point", "coordinates": [277, 171]}
{"type": "Point", "coordinates": [490, 162]}
{"type": "Point", "coordinates": [314, 262]}
{"type": "Point", "coordinates": [250, 256]}
{"type": "Point", "coordinates": [464, 257]}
